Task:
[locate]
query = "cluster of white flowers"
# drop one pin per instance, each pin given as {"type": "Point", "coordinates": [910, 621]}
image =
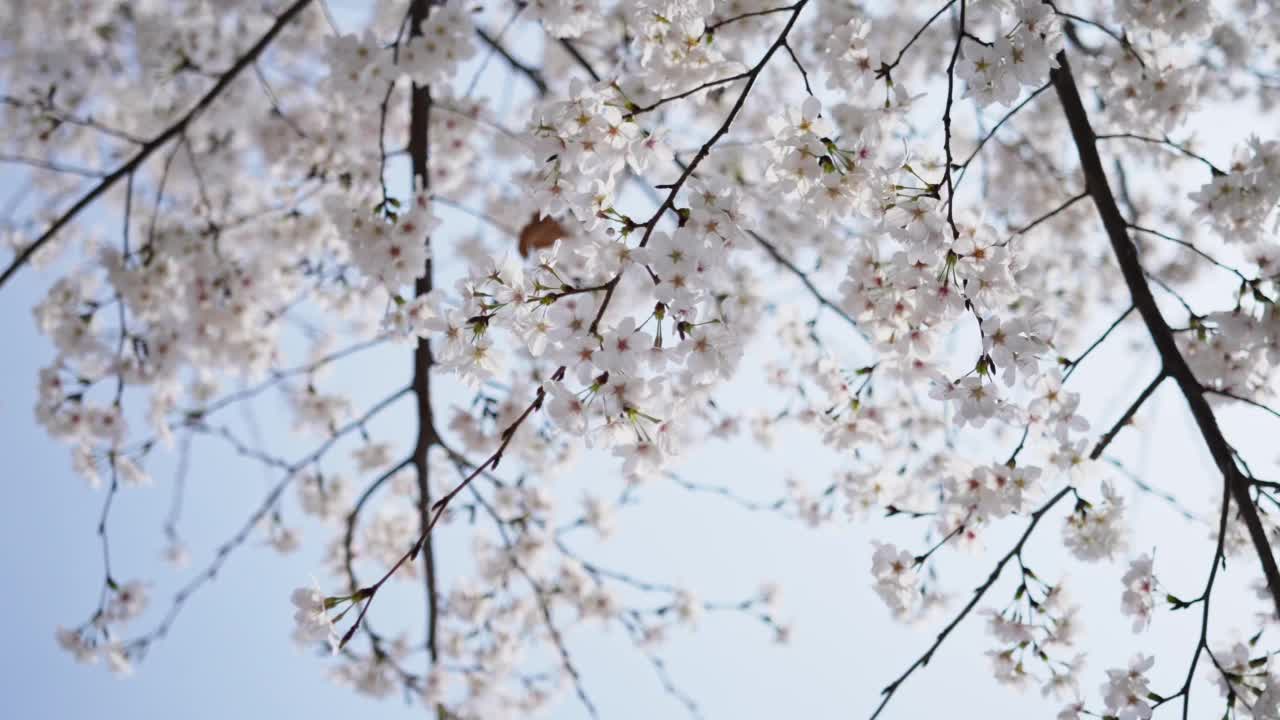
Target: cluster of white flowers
{"type": "Point", "coordinates": [362, 67]}
{"type": "Point", "coordinates": [359, 67]}
{"type": "Point", "coordinates": [98, 638]}
{"type": "Point", "coordinates": [1034, 629]}
{"type": "Point", "coordinates": [445, 40]}
{"type": "Point", "coordinates": [324, 496]}
{"type": "Point", "coordinates": [896, 580]}
{"type": "Point", "coordinates": [1174, 19]}
{"type": "Point", "coordinates": [1242, 367]}
{"type": "Point", "coordinates": [62, 411]}
{"type": "Point", "coordinates": [588, 141]}
{"type": "Point", "coordinates": [1096, 530]}
{"type": "Point", "coordinates": [813, 170]}
{"type": "Point", "coordinates": [318, 411]}
{"type": "Point", "coordinates": [1249, 679]}
{"type": "Point", "coordinates": [994, 491]}
{"type": "Point", "coordinates": [1239, 204]}
{"type": "Point", "coordinates": [392, 250]}
{"type": "Point", "coordinates": [917, 283]}
{"type": "Point", "coordinates": [1126, 691]}
{"type": "Point", "coordinates": [673, 51]}
{"type": "Point", "coordinates": [567, 18]}
{"type": "Point", "coordinates": [851, 62]}
{"type": "Point", "coordinates": [311, 618]}
{"type": "Point", "coordinates": [1149, 95]}
{"type": "Point", "coordinates": [997, 72]}
{"type": "Point", "coordinates": [1139, 587]}
{"type": "Point", "coordinates": [455, 123]}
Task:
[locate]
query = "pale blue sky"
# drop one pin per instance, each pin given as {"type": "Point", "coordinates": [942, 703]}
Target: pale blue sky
{"type": "Point", "coordinates": [229, 654]}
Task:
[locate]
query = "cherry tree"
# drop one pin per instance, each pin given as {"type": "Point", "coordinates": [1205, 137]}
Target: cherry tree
{"type": "Point", "coordinates": [588, 218]}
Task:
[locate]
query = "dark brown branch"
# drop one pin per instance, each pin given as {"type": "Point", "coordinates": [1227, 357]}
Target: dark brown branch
{"type": "Point", "coordinates": [1073, 364]}
{"type": "Point", "coordinates": [796, 61]}
{"type": "Point", "coordinates": [1049, 215]}
{"type": "Point", "coordinates": [1145, 487]}
{"type": "Point", "coordinates": [1166, 142]}
{"type": "Point", "coordinates": [579, 58]}
{"type": "Point", "coordinates": [948, 178]}
{"type": "Point", "coordinates": [757, 13]}
{"type": "Point", "coordinates": [420, 157]}
{"type": "Point", "coordinates": [669, 204]}
{"type": "Point", "coordinates": [766, 244]}
{"type": "Point", "coordinates": [1247, 401]}
{"type": "Point", "coordinates": [1192, 247]}
{"type": "Point", "coordinates": [641, 109]}
{"type": "Point", "coordinates": [275, 102]}
{"type": "Point", "coordinates": [58, 116]}
{"type": "Point", "coordinates": [886, 69]}
{"type": "Point", "coordinates": [1070, 31]}
{"type": "Point", "coordinates": [348, 538]}
{"type": "Point", "coordinates": [441, 505]}
{"type": "Point", "coordinates": [277, 376]}
{"type": "Point", "coordinates": [422, 390]}
{"type": "Point", "coordinates": [1202, 644]}
{"type": "Point", "coordinates": [532, 73]}
{"type": "Point", "coordinates": [728, 494]}
{"type": "Point", "coordinates": [1110, 435]}
{"type": "Point", "coordinates": [1161, 335]}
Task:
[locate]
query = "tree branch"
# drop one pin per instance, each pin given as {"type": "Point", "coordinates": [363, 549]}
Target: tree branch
{"type": "Point", "coordinates": [1110, 435]}
{"type": "Point", "coordinates": [981, 590]}
{"type": "Point", "coordinates": [420, 157]}
{"type": "Point", "coordinates": [1161, 335]}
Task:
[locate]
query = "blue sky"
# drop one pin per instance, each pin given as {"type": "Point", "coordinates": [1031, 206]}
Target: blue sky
{"type": "Point", "coordinates": [229, 653]}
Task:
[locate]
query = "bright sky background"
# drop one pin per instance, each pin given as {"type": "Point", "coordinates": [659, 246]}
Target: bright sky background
{"type": "Point", "coordinates": [229, 654]}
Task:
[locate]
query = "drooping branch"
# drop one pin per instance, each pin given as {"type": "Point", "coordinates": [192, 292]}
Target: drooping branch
{"type": "Point", "coordinates": [254, 520]}
{"type": "Point", "coordinates": [1192, 247]}
{"type": "Point", "coordinates": [1147, 488]}
{"type": "Point", "coordinates": [1024, 229]}
{"type": "Point", "coordinates": [948, 177]}
{"type": "Point", "coordinates": [1202, 644]}
{"type": "Point", "coordinates": [1175, 365]}
{"type": "Point", "coordinates": [781, 259]}
{"type": "Point", "coordinates": [978, 593]}
{"type": "Point", "coordinates": [353, 517]}
{"type": "Point", "coordinates": [540, 596]}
